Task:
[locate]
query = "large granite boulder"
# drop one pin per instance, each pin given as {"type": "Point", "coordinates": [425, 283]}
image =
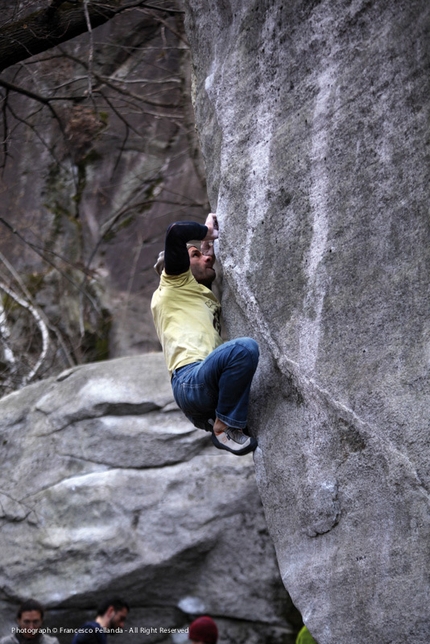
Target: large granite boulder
{"type": "Point", "coordinates": [106, 489]}
{"type": "Point", "coordinates": [313, 118]}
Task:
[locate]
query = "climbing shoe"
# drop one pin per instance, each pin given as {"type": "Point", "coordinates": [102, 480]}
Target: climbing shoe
{"type": "Point", "coordinates": [234, 441]}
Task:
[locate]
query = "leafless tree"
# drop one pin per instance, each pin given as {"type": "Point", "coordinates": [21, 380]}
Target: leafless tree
{"type": "Point", "coordinates": [101, 127]}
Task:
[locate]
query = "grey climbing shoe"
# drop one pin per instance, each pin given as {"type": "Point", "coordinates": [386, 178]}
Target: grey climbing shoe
{"type": "Point", "coordinates": [234, 441]}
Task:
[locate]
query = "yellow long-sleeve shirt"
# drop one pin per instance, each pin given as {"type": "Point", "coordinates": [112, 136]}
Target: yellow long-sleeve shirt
{"type": "Point", "coordinates": [187, 319]}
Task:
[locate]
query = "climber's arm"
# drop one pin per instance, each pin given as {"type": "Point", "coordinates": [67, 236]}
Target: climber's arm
{"type": "Point", "coordinates": [176, 258]}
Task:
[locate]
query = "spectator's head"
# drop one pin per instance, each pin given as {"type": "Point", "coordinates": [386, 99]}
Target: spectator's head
{"type": "Point", "coordinates": [30, 619]}
{"type": "Point", "coordinates": [112, 612]}
{"type": "Point", "coordinates": [203, 631]}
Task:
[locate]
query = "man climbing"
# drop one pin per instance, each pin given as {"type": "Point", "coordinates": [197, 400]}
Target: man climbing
{"type": "Point", "coordinates": [211, 380]}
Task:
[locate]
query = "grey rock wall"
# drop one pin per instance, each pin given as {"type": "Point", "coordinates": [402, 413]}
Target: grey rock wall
{"type": "Point", "coordinates": [106, 488]}
{"type": "Point", "coordinates": [313, 118]}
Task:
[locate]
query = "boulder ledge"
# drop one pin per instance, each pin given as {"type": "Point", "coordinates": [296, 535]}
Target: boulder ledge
{"type": "Point", "coordinates": [106, 489]}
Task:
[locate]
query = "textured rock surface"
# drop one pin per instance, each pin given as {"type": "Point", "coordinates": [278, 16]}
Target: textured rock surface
{"type": "Point", "coordinates": [314, 119]}
{"type": "Point", "coordinates": [107, 488]}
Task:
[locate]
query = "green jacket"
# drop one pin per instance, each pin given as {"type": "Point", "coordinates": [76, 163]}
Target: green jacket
{"type": "Point", "coordinates": [304, 637]}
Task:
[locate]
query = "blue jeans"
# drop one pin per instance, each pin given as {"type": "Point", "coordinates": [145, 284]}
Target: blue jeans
{"type": "Point", "coordinates": [219, 385]}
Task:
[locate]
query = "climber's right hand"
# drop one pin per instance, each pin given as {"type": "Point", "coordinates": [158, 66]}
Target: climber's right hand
{"type": "Point", "coordinates": [212, 226]}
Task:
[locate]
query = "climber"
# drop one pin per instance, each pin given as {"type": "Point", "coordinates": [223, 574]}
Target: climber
{"type": "Point", "coordinates": [211, 380]}
{"type": "Point", "coordinates": [111, 615]}
{"type": "Point", "coordinates": [30, 620]}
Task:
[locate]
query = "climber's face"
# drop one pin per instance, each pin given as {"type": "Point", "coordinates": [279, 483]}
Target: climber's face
{"type": "Point", "coordinates": [202, 266]}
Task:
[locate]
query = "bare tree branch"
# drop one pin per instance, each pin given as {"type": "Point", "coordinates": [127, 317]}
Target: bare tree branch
{"type": "Point", "coordinates": [48, 261]}
{"type": "Point", "coordinates": [91, 49]}
{"type": "Point", "coordinates": [58, 23]}
{"type": "Point", "coordinates": [42, 327]}
{"type": "Point", "coordinates": [24, 91]}
{"type": "Point", "coordinates": [36, 132]}
{"type": "Point", "coordinates": [5, 140]}
{"type": "Point", "coordinates": [27, 294]}
{"type": "Point", "coordinates": [8, 353]}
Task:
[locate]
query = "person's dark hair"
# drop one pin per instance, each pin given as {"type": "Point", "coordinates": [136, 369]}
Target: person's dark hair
{"type": "Point", "coordinates": [28, 605]}
{"type": "Point", "coordinates": [116, 602]}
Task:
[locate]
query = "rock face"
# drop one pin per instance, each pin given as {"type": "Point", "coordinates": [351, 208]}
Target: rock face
{"type": "Point", "coordinates": [313, 118]}
{"type": "Point", "coordinates": [107, 489]}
